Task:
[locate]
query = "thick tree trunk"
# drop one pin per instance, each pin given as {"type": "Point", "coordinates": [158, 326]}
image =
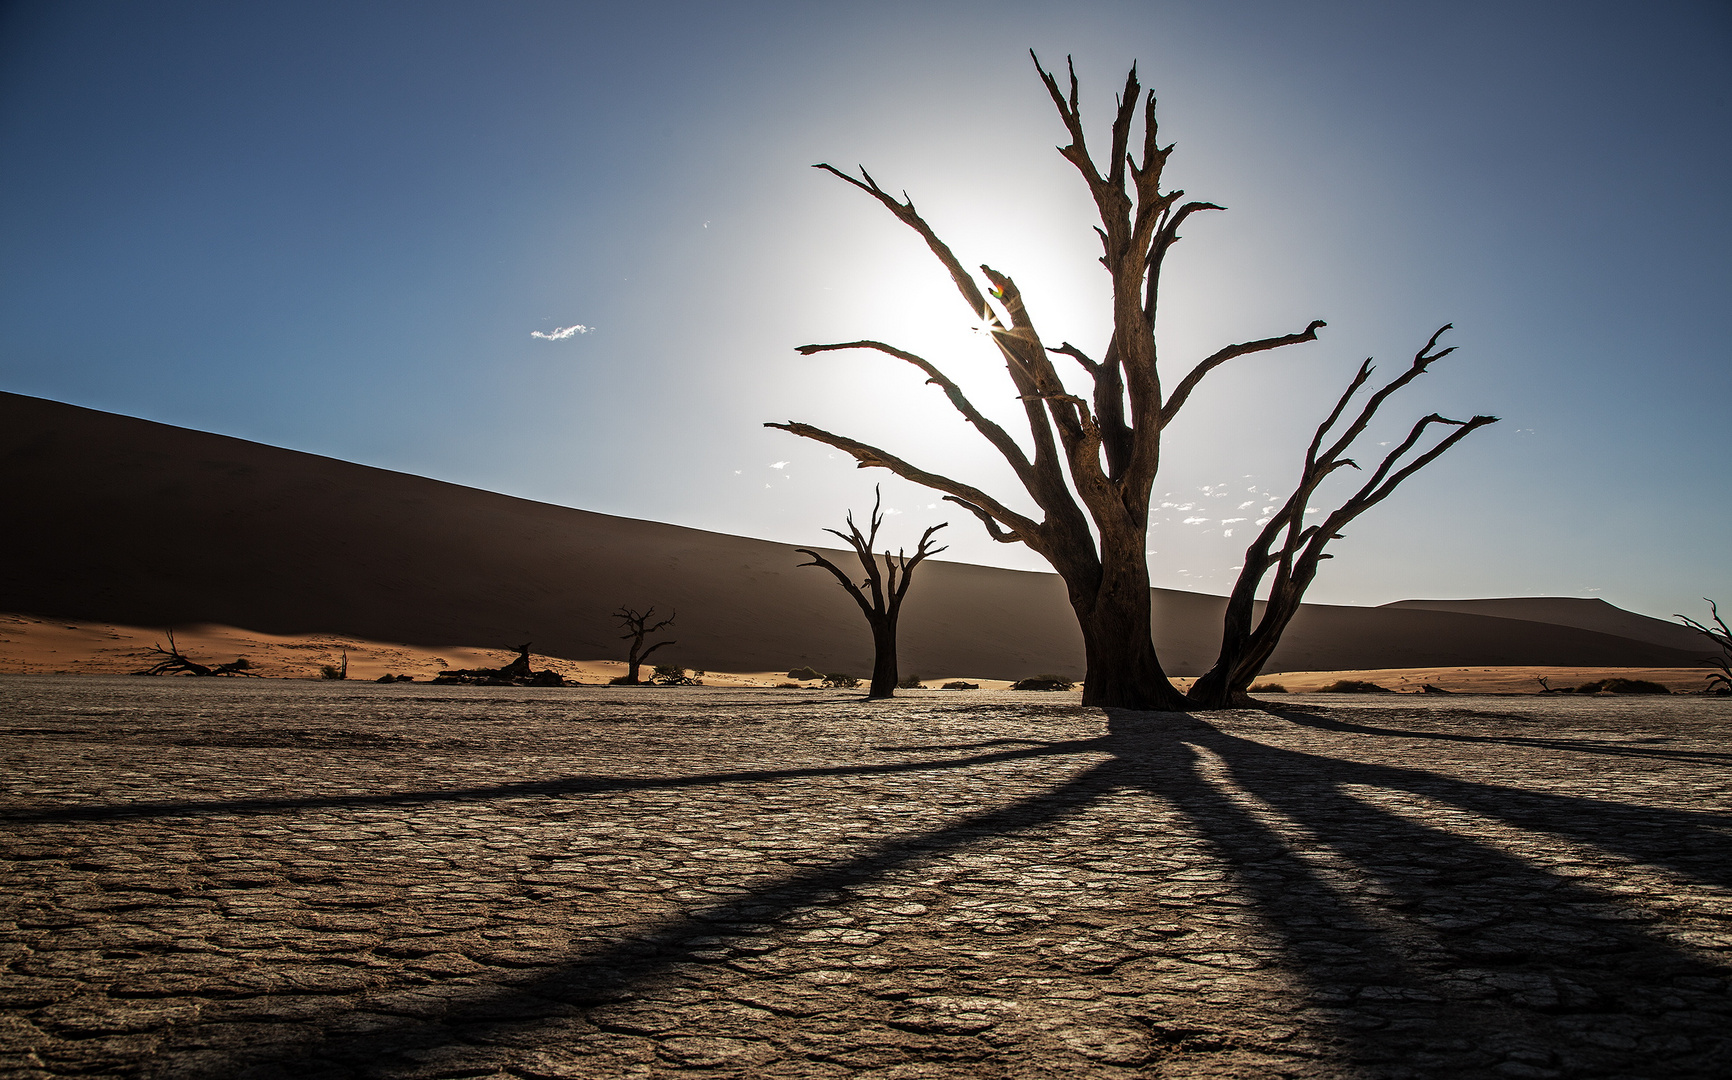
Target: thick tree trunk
{"type": "Point", "coordinates": [1118, 641]}
{"type": "Point", "coordinates": [884, 675]}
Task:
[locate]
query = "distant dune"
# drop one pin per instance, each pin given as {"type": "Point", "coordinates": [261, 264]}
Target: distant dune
{"type": "Point", "coordinates": [119, 520]}
{"type": "Point", "coordinates": [1584, 614]}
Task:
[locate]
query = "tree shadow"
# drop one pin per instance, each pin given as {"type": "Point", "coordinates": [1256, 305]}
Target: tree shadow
{"type": "Point", "coordinates": [570, 785]}
{"type": "Point", "coordinates": [1324, 722]}
{"type": "Point", "coordinates": [1422, 934]}
{"type": "Point", "coordinates": [1415, 948]}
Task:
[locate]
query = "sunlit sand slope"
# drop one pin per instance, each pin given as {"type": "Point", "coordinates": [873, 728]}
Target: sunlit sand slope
{"type": "Point", "coordinates": [119, 520]}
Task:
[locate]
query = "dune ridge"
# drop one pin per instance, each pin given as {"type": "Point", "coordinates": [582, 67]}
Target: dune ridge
{"type": "Point", "coordinates": [127, 521]}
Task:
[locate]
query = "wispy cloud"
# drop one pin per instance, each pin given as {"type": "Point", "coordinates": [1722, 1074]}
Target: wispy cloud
{"type": "Point", "coordinates": [560, 333]}
{"type": "Point", "coordinates": [1195, 520]}
{"type": "Point", "coordinates": [778, 464]}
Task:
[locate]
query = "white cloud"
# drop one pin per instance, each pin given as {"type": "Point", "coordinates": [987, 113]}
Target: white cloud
{"type": "Point", "coordinates": [1229, 521]}
{"type": "Point", "coordinates": [1229, 532]}
{"type": "Point", "coordinates": [560, 333]}
{"type": "Point", "coordinates": [1195, 520]}
{"type": "Point", "coordinates": [1262, 521]}
{"type": "Point", "coordinates": [1247, 503]}
{"type": "Point", "coordinates": [778, 464]}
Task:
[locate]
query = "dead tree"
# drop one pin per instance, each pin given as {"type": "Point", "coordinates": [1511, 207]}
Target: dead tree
{"type": "Point", "coordinates": [1093, 461]}
{"type": "Point", "coordinates": [637, 627]}
{"type": "Point", "coordinates": [1720, 681]}
{"type": "Point", "coordinates": [519, 668]}
{"type": "Point", "coordinates": [1287, 551]}
{"type": "Point", "coordinates": [174, 662]}
{"type": "Point", "coordinates": [880, 595]}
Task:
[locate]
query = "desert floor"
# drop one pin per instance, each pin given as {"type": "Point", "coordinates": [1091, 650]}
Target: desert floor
{"type": "Point", "coordinates": [31, 645]}
{"type": "Point", "coordinates": [268, 879]}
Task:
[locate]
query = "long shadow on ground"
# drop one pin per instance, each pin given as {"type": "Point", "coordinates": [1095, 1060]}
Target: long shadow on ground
{"type": "Point", "coordinates": [1420, 951]}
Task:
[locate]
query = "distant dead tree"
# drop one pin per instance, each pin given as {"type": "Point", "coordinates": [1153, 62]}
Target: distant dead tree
{"type": "Point", "coordinates": [637, 627]}
{"type": "Point", "coordinates": [1287, 551]}
{"type": "Point", "coordinates": [174, 662]}
{"type": "Point", "coordinates": [1720, 681]}
{"type": "Point", "coordinates": [338, 671]}
{"type": "Point", "coordinates": [516, 673]}
{"type": "Point", "coordinates": [880, 595]}
{"type": "Point", "coordinates": [1093, 462]}
{"type": "Point", "coordinates": [519, 668]}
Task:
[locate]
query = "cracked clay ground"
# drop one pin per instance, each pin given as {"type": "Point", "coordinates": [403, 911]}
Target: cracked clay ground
{"type": "Point", "coordinates": [212, 879]}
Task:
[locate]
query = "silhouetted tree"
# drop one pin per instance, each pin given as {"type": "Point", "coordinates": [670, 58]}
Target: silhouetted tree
{"type": "Point", "coordinates": [1290, 550]}
{"type": "Point", "coordinates": [637, 627]}
{"type": "Point", "coordinates": [880, 595]}
{"type": "Point", "coordinates": [519, 668]}
{"type": "Point", "coordinates": [175, 662]}
{"type": "Point", "coordinates": [1094, 459]}
{"type": "Point", "coordinates": [1720, 681]}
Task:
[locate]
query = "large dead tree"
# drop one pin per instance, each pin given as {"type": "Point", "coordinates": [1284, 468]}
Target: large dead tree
{"type": "Point", "coordinates": [1287, 551]}
{"type": "Point", "coordinates": [637, 627]}
{"type": "Point", "coordinates": [1093, 458]}
{"type": "Point", "coordinates": [880, 595]}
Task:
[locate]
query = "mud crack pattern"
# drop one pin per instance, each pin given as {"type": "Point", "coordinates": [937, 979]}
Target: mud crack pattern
{"type": "Point", "coordinates": [275, 880]}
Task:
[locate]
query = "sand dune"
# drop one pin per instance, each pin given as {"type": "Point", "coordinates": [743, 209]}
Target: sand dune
{"type": "Point", "coordinates": [1582, 613]}
{"type": "Point", "coordinates": [128, 522]}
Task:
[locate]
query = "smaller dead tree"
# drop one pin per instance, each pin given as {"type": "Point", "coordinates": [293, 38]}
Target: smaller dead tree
{"type": "Point", "coordinates": [516, 673]}
{"type": "Point", "coordinates": [637, 627]}
{"type": "Point", "coordinates": [1290, 550]}
{"type": "Point", "coordinates": [1719, 681]}
{"type": "Point", "coordinates": [175, 662]}
{"type": "Point", "coordinates": [880, 595]}
{"type": "Point", "coordinates": [519, 668]}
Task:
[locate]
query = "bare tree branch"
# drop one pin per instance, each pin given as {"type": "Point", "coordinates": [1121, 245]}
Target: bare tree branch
{"type": "Point", "coordinates": [992, 527]}
{"type": "Point", "coordinates": [905, 212]}
{"type": "Point", "coordinates": [994, 434]}
{"type": "Point", "coordinates": [1182, 392]}
{"type": "Point", "coordinates": [867, 456]}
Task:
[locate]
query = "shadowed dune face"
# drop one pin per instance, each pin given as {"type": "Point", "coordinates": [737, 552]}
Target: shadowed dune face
{"type": "Point", "coordinates": [1580, 612]}
{"type": "Point", "coordinates": [132, 522]}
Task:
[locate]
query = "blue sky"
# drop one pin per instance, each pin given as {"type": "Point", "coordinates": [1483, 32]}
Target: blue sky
{"type": "Point", "coordinates": [336, 226]}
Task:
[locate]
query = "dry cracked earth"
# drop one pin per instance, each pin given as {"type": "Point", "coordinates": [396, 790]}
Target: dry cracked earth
{"type": "Point", "coordinates": [209, 879]}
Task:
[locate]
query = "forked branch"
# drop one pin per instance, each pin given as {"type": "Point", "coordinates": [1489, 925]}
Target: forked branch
{"type": "Point", "coordinates": [904, 210]}
{"type": "Point", "coordinates": [1295, 558]}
